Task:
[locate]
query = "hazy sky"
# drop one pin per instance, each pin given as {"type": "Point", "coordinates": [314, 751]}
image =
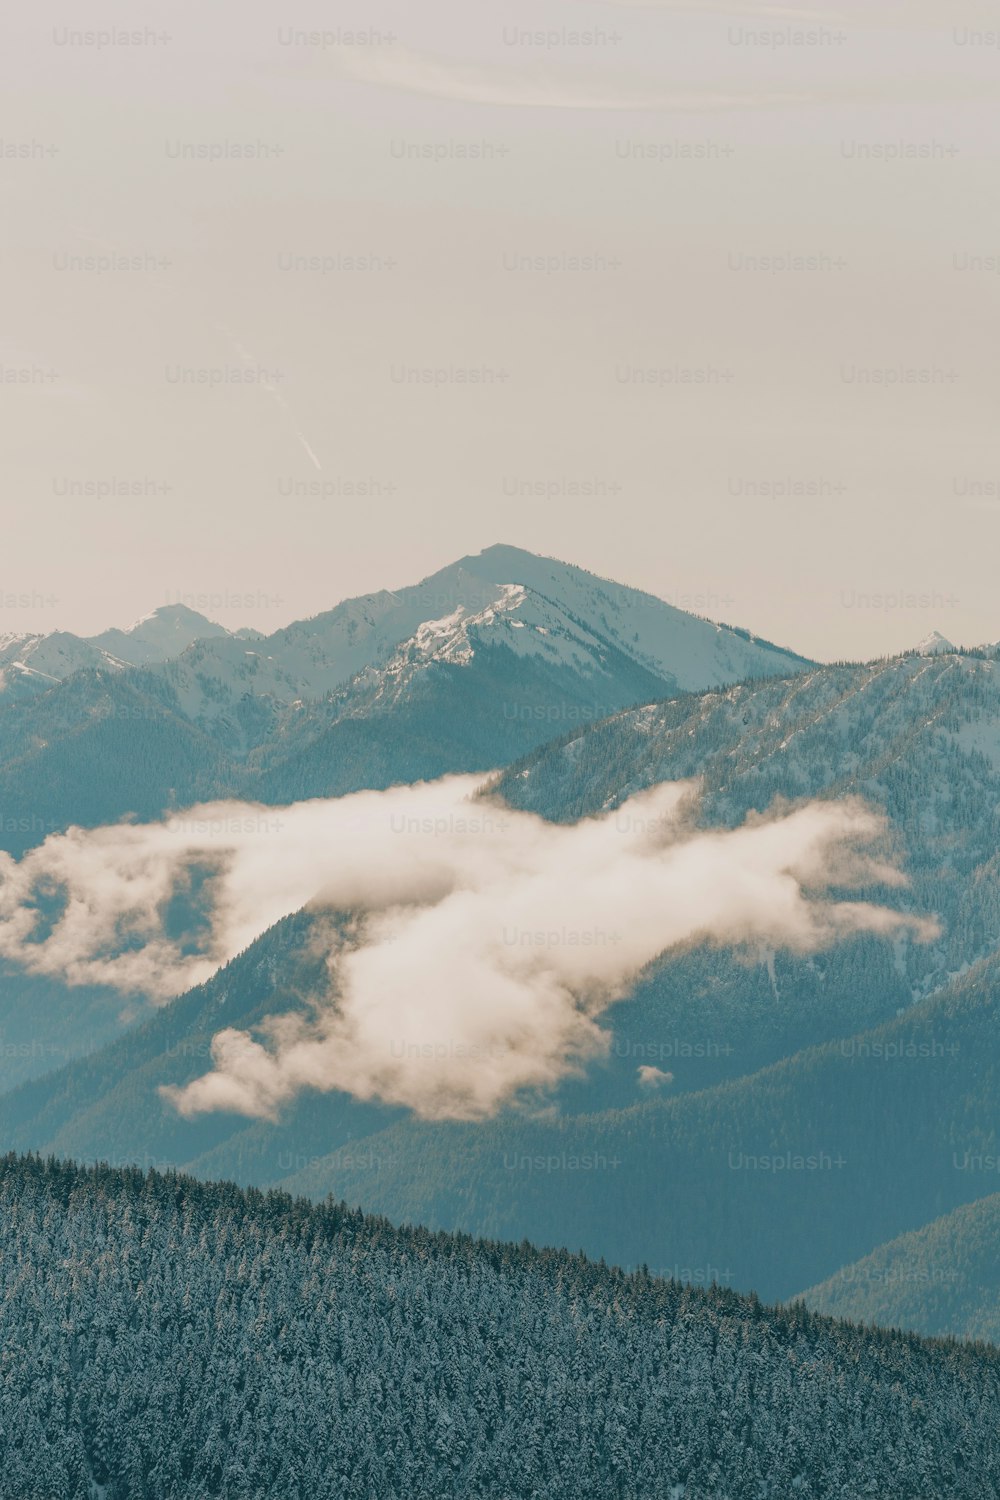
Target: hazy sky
{"type": "Point", "coordinates": [508, 268]}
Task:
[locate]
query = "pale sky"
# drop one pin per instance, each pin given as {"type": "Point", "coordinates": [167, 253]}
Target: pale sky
{"type": "Point", "coordinates": [813, 452]}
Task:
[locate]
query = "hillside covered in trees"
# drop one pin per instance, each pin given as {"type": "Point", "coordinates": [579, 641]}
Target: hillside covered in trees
{"type": "Point", "coordinates": [943, 1278]}
{"type": "Point", "coordinates": [779, 1179]}
{"type": "Point", "coordinates": [167, 1338]}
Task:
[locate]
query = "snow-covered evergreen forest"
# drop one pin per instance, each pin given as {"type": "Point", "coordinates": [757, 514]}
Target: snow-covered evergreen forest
{"type": "Point", "coordinates": [165, 1339]}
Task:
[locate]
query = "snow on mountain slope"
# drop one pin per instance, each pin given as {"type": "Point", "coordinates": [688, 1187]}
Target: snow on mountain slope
{"type": "Point", "coordinates": [537, 631]}
{"type": "Point", "coordinates": [935, 644]}
{"type": "Point", "coordinates": [917, 736]}
{"type": "Point", "coordinates": [694, 652]}
{"type": "Point", "coordinates": [535, 606]}
{"type": "Point", "coordinates": [526, 624]}
{"type": "Point", "coordinates": [164, 633]}
{"type": "Point", "coordinates": [30, 662]}
{"type": "Point", "coordinates": [310, 658]}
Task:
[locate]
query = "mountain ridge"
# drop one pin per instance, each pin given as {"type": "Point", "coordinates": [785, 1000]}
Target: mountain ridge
{"type": "Point", "coordinates": [459, 672]}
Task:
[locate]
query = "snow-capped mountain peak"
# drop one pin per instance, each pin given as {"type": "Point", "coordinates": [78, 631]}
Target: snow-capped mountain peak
{"type": "Point", "coordinates": [31, 661]}
{"type": "Point", "coordinates": [554, 626]}
{"type": "Point", "coordinates": [163, 633]}
{"type": "Point", "coordinates": [543, 630]}
{"type": "Point", "coordinates": [683, 648]}
{"type": "Point", "coordinates": [616, 644]}
{"type": "Point", "coordinates": [935, 644]}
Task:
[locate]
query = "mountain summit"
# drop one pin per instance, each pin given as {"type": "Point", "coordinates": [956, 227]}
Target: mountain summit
{"type": "Point", "coordinates": [549, 616]}
{"type": "Point", "coordinates": [32, 661]}
{"type": "Point", "coordinates": [935, 644]}
{"type": "Point", "coordinates": [165, 632]}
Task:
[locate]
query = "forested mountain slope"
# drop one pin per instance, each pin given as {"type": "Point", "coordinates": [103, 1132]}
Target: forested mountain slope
{"type": "Point", "coordinates": [180, 1340]}
{"type": "Point", "coordinates": [916, 736]}
{"type": "Point", "coordinates": [106, 1105]}
{"type": "Point", "coordinates": [45, 1023]}
{"type": "Point", "coordinates": [779, 1179]}
{"type": "Point", "coordinates": [901, 1121]}
{"type": "Point", "coordinates": [97, 747]}
{"type": "Point", "coordinates": [943, 1278]}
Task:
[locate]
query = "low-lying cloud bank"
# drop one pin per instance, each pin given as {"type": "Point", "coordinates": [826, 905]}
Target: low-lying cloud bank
{"type": "Point", "coordinates": [486, 943]}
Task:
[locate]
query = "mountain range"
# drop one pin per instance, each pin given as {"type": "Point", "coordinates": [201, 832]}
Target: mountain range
{"type": "Point", "coordinates": [480, 662]}
{"type": "Point", "coordinates": [33, 662]}
{"type": "Point", "coordinates": [571, 618]}
{"type": "Point", "coordinates": [844, 1085]}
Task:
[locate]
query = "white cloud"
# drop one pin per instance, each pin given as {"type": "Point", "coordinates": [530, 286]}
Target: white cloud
{"type": "Point", "coordinates": [486, 943]}
{"type": "Point", "coordinates": [114, 890]}
{"type": "Point", "coordinates": [653, 1078]}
